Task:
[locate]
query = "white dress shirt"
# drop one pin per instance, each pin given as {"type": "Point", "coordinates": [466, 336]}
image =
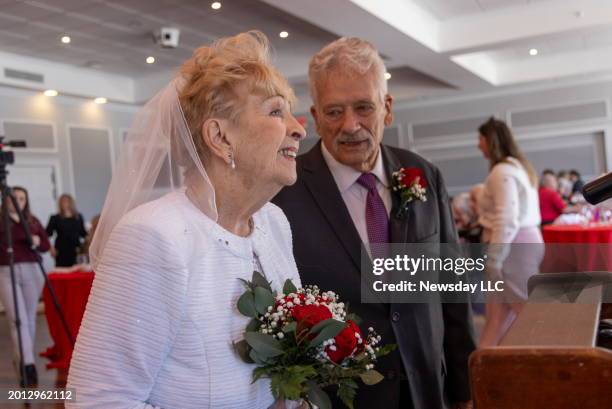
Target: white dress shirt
{"type": "Point", "coordinates": [354, 194]}
{"type": "Point", "coordinates": [162, 316]}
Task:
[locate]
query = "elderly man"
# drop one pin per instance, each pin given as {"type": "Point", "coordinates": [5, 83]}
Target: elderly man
{"type": "Point", "coordinates": [342, 202]}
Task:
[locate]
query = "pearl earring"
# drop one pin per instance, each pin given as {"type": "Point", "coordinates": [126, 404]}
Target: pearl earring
{"type": "Point", "coordinates": [232, 161]}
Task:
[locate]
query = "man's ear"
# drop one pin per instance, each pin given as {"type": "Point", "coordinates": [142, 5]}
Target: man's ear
{"type": "Point", "coordinates": [313, 112]}
{"type": "Point", "coordinates": [214, 137]}
{"type": "Point", "coordinates": [388, 110]}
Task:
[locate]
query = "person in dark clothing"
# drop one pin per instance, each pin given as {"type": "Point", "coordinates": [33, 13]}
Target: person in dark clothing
{"type": "Point", "coordinates": [70, 229]}
{"type": "Point", "coordinates": [577, 181]}
{"type": "Point", "coordinates": [28, 281]}
{"type": "Point", "coordinates": [342, 202]}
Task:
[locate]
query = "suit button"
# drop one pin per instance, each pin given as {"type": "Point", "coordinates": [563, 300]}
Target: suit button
{"type": "Point", "coordinates": [391, 375]}
{"type": "Point", "coordinates": [395, 317]}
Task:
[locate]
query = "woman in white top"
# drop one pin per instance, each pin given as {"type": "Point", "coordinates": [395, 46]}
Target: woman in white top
{"type": "Point", "coordinates": [162, 316]}
{"type": "Point", "coordinates": [509, 212]}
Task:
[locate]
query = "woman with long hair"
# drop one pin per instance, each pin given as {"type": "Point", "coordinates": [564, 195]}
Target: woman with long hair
{"type": "Point", "coordinates": [70, 229]}
{"type": "Point", "coordinates": [510, 215]}
{"type": "Point", "coordinates": [28, 280]}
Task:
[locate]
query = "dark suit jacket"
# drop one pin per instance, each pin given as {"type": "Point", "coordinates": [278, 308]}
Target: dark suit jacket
{"type": "Point", "coordinates": [434, 340]}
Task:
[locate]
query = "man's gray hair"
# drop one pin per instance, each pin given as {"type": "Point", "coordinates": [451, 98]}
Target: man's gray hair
{"type": "Point", "coordinates": [347, 54]}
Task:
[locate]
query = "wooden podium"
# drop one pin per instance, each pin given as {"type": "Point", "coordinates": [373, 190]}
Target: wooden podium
{"type": "Point", "coordinates": [550, 358]}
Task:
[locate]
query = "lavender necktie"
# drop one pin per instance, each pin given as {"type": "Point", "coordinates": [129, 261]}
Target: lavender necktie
{"type": "Point", "coordinates": [377, 219]}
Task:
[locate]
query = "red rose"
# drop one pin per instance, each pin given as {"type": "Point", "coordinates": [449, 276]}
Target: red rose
{"type": "Point", "coordinates": [346, 342]}
{"type": "Point", "coordinates": [310, 315]}
{"type": "Point", "coordinates": [412, 175]}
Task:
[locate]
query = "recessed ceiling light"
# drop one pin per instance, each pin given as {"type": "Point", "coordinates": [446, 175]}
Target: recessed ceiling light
{"type": "Point", "coordinates": [387, 75]}
{"type": "Point", "coordinates": [216, 5]}
{"type": "Point", "coordinates": [66, 39]}
{"type": "Point", "coordinates": [100, 100]}
{"type": "Point", "coordinates": [533, 51]}
{"type": "Point", "coordinates": [283, 34]}
{"type": "Point", "coordinates": [150, 59]}
{"type": "Point", "coordinates": [50, 93]}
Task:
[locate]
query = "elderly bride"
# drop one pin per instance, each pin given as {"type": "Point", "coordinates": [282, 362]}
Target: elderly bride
{"type": "Point", "coordinates": [162, 316]}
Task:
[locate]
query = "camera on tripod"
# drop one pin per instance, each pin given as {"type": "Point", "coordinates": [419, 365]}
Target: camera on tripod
{"type": "Point", "coordinates": [7, 157]}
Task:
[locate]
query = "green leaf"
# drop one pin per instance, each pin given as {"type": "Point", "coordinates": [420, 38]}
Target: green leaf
{"type": "Point", "coordinates": [289, 288]}
{"type": "Point", "coordinates": [265, 346]}
{"type": "Point", "coordinates": [259, 280]}
{"type": "Point", "coordinates": [347, 389]}
{"type": "Point", "coordinates": [255, 357]}
{"type": "Point", "coordinates": [242, 349]}
{"type": "Point", "coordinates": [318, 397]}
{"type": "Point", "coordinates": [260, 372]}
{"type": "Point", "coordinates": [355, 318]}
{"type": "Point", "coordinates": [291, 327]}
{"type": "Point", "coordinates": [326, 329]}
{"type": "Point", "coordinates": [246, 304]}
{"type": "Point", "coordinates": [263, 300]}
{"type": "Point", "coordinates": [254, 325]}
{"type": "Point", "coordinates": [291, 382]}
{"type": "Point", "coordinates": [371, 377]}
{"type": "Point", "coordinates": [385, 350]}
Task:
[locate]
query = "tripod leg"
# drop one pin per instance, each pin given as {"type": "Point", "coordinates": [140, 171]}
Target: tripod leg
{"type": "Point", "coordinates": [56, 304]}
{"type": "Point", "coordinates": [8, 241]}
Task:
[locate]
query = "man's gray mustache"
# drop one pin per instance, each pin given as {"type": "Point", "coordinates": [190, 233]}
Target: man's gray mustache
{"type": "Point", "coordinates": [356, 137]}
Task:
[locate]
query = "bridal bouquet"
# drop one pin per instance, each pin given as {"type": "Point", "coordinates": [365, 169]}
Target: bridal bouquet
{"type": "Point", "coordinates": [304, 340]}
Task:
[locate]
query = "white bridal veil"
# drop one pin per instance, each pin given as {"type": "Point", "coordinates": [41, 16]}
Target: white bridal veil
{"type": "Point", "coordinates": [157, 156]}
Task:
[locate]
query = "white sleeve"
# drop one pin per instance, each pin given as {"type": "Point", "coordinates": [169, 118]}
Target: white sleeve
{"type": "Point", "coordinates": [131, 320]}
{"type": "Point", "coordinates": [503, 187]}
{"type": "Point", "coordinates": [280, 224]}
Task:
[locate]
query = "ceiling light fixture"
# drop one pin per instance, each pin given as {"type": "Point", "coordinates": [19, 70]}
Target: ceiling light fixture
{"type": "Point", "coordinates": [283, 34]}
{"type": "Point", "coordinates": [66, 39]}
{"type": "Point", "coordinates": [100, 100]}
{"type": "Point", "coordinates": [387, 75]}
{"type": "Point", "coordinates": [533, 52]}
{"type": "Point", "coordinates": [216, 5]}
{"type": "Point", "coordinates": [150, 59]}
{"type": "Point", "coordinates": [50, 93]}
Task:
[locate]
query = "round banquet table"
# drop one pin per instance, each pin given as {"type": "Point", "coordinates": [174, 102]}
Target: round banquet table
{"type": "Point", "coordinates": [577, 248]}
{"type": "Point", "coordinates": [72, 291]}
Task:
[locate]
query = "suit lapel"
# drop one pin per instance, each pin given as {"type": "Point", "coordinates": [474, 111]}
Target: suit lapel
{"type": "Point", "coordinates": [398, 228]}
{"type": "Point", "coordinates": [321, 184]}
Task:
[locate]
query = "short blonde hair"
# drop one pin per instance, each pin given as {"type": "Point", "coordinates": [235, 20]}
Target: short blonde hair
{"type": "Point", "coordinates": [350, 54]}
{"type": "Point", "coordinates": [213, 74]}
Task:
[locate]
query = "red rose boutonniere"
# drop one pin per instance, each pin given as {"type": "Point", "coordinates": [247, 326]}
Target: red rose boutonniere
{"type": "Point", "coordinates": [410, 185]}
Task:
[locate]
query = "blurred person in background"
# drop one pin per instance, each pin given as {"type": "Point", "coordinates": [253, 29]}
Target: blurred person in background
{"type": "Point", "coordinates": [510, 214]}
{"type": "Point", "coordinates": [466, 218]}
{"type": "Point", "coordinates": [28, 280]}
{"type": "Point", "coordinates": [89, 237]}
{"type": "Point", "coordinates": [69, 229]}
{"type": "Point", "coordinates": [577, 182]}
{"type": "Point", "coordinates": [565, 184]}
{"type": "Point", "coordinates": [551, 203]}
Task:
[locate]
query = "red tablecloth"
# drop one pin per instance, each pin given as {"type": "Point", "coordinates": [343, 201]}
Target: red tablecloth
{"type": "Point", "coordinates": [577, 248]}
{"type": "Point", "coordinates": [72, 291]}
{"type": "Point", "coordinates": [577, 234]}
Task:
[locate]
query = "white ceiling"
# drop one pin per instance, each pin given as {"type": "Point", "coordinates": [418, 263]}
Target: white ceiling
{"type": "Point", "coordinates": [447, 9]}
{"type": "Point", "coordinates": [432, 47]}
{"type": "Point", "coordinates": [116, 35]}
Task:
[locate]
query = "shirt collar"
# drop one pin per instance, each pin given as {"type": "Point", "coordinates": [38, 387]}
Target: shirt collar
{"type": "Point", "coordinates": [345, 176]}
